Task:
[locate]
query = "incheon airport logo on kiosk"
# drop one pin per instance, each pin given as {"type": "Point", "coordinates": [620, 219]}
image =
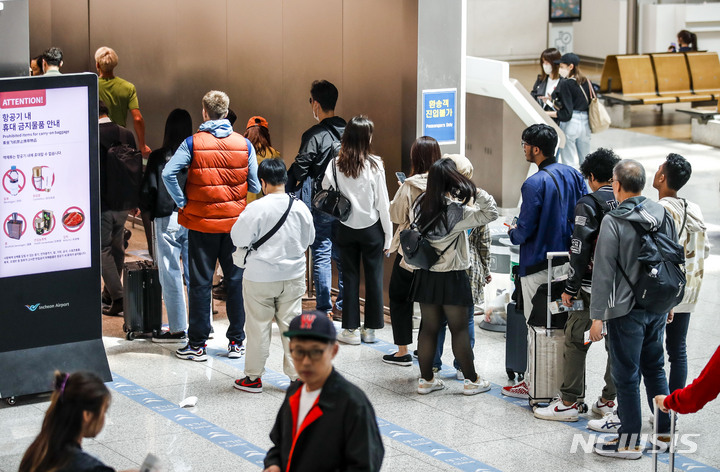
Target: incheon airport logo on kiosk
{"type": "Point", "coordinates": [39, 306]}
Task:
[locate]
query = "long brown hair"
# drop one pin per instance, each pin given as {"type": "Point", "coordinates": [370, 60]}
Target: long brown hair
{"type": "Point", "coordinates": [355, 148]}
{"type": "Point", "coordinates": [259, 136]}
{"type": "Point", "coordinates": [63, 423]}
{"type": "Point", "coordinates": [423, 153]}
{"type": "Point", "coordinates": [575, 73]}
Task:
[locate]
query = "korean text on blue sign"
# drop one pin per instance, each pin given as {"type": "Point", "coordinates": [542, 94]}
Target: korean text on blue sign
{"type": "Point", "coordinates": [440, 115]}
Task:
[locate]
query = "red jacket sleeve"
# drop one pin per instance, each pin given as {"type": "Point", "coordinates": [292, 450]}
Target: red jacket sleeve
{"type": "Point", "coordinates": [705, 388]}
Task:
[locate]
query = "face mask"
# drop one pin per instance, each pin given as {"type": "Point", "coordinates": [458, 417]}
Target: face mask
{"type": "Point", "coordinates": [564, 73]}
{"type": "Point", "coordinates": [317, 118]}
{"type": "Point", "coordinates": [547, 68]}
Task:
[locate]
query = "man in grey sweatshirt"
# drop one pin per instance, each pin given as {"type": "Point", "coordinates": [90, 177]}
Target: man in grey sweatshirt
{"type": "Point", "coordinates": [635, 334]}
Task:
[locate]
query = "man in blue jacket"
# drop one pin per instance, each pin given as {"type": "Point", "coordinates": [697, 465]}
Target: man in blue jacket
{"type": "Point", "coordinates": [545, 223]}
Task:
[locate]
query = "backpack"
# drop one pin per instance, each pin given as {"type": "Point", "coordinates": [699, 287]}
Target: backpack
{"type": "Point", "coordinates": [661, 284]}
{"type": "Point", "coordinates": [123, 175]}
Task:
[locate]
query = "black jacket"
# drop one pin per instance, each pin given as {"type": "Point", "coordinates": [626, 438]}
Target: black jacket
{"type": "Point", "coordinates": [317, 147]}
{"type": "Point", "coordinates": [568, 97]}
{"type": "Point", "coordinates": [108, 134]}
{"type": "Point", "coordinates": [343, 437]}
{"type": "Point", "coordinates": [154, 197]}
{"type": "Point", "coordinates": [589, 212]}
{"type": "Point", "coordinates": [539, 88]}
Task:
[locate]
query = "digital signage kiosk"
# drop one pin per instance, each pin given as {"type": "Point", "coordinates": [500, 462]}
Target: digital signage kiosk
{"type": "Point", "coordinates": [50, 315]}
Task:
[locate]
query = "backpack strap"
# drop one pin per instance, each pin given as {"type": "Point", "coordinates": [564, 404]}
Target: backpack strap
{"type": "Point", "coordinates": [189, 143]}
{"type": "Point", "coordinates": [254, 246]}
{"type": "Point", "coordinates": [682, 226]}
{"type": "Point", "coordinates": [554, 180]}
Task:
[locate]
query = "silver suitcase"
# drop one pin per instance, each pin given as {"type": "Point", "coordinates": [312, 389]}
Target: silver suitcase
{"type": "Point", "coordinates": [546, 347]}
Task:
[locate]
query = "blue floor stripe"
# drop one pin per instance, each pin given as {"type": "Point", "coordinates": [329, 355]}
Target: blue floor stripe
{"type": "Point", "coordinates": [447, 372]}
{"type": "Point", "coordinates": [205, 429]}
{"type": "Point", "coordinates": [390, 430]}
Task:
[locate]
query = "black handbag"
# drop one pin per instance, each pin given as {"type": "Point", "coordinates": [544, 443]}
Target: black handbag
{"type": "Point", "coordinates": [417, 250]}
{"type": "Point", "coordinates": [331, 201]}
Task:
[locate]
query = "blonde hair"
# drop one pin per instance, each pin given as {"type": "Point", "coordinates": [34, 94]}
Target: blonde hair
{"type": "Point", "coordinates": [106, 58]}
{"type": "Point", "coordinates": [216, 104]}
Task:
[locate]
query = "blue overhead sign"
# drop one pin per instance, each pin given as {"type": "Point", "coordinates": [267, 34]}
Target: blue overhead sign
{"type": "Point", "coordinates": [440, 115]}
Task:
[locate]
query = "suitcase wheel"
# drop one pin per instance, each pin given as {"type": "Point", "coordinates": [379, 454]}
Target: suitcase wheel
{"type": "Point", "coordinates": [511, 374]}
{"type": "Point", "coordinates": [521, 377]}
{"type": "Point", "coordinates": [10, 401]}
{"type": "Point", "coordinates": [582, 408]}
{"type": "Point", "coordinates": [130, 336]}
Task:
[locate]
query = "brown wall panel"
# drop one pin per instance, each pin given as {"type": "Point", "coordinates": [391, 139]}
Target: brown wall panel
{"type": "Point", "coordinates": [40, 26]}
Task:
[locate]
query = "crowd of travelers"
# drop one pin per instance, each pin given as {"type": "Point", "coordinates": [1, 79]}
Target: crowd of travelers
{"type": "Point", "coordinates": [215, 196]}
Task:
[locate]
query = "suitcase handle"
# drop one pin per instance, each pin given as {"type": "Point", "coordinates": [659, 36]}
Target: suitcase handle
{"type": "Point", "coordinates": [672, 438]}
{"type": "Point", "coordinates": [550, 257]}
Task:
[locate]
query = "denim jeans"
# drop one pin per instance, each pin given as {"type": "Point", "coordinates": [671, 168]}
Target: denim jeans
{"type": "Point", "coordinates": [171, 241]}
{"type": "Point", "coordinates": [323, 251]}
{"type": "Point", "coordinates": [437, 362]}
{"type": "Point", "coordinates": [675, 335]}
{"type": "Point", "coordinates": [577, 139]}
{"type": "Point", "coordinates": [636, 348]}
{"type": "Point", "coordinates": [205, 249]}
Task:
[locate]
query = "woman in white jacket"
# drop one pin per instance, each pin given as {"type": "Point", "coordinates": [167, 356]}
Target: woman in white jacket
{"type": "Point", "coordinates": [366, 234]}
{"type": "Point", "coordinates": [449, 207]}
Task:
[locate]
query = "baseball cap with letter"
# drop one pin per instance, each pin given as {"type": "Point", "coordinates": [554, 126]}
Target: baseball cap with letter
{"type": "Point", "coordinates": [311, 325]}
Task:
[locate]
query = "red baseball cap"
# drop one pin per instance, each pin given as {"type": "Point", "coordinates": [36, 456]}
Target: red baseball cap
{"type": "Point", "coordinates": [257, 121]}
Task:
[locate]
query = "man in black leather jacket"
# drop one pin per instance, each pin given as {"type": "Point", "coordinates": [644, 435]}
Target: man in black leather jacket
{"type": "Point", "coordinates": [597, 168]}
{"type": "Point", "coordinates": [319, 144]}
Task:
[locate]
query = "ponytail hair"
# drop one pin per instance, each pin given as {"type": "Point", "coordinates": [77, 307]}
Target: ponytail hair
{"type": "Point", "coordinates": [688, 38]}
{"type": "Point", "coordinates": [444, 179]}
{"type": "Point", "coordinates": [63, 424]}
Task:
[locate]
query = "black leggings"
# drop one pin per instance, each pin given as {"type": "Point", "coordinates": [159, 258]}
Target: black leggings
{"type": "Point", "coordinates": [431, 324]}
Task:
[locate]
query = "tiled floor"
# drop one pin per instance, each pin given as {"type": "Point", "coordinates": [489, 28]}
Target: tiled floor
{"type": "Point", "coordinates": [441, 431]}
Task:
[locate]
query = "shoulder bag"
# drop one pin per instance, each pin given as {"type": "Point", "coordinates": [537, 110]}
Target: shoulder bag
{"type": "Point", "coordinates": [240, 255]}
{"type": "Point", "coordinates": [597, 114]}
{"type": "Point", "coordinates": [417, 250]}
{"type": "Point", "coordinates": [331, 201]}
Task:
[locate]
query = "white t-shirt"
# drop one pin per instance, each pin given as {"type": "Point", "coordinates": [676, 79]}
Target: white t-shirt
{"type": "Point", "coordinates": [307, 400]}
{"type": "Point", "coordinates": [551, 84]}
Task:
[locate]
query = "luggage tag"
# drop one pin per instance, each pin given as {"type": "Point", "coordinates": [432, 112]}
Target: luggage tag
{"type": "Point", "coordinates": [558, 307]}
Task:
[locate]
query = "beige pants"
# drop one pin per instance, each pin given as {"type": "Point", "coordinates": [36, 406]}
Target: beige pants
{"type": "Point", "coordinates": [530, 284]}
{"type": "Point", "coordinates": [265, 301]}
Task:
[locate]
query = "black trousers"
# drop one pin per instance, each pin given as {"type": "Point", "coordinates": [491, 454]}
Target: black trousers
{"type": "Point", "coordinates": [401, 305]}
{"type": "Point", "coordinates": [367, 245]}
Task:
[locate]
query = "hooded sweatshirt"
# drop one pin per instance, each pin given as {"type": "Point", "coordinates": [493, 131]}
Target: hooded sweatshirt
{"type": "Point", "coordinates": [619, 243]}
{"type": "Point", "coordinates": [693, 238]}
{"type": "Point", "coordinates": [401, 205]}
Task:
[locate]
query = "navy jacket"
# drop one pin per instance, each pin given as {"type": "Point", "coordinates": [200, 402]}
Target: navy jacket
{"type": "Point", "coordinates": [546, 218]}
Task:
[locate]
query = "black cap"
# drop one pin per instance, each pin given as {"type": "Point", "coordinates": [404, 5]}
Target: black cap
{"type": "Point", "coordinates": [311, 325]}
{"type": "Point", "coordinates": [568, 58]}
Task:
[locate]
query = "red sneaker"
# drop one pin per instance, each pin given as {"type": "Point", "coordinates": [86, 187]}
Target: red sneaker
{"type": "Point", "coordinates": [517, 391]}
{"type": "Point", "coordinates": [247, 385]}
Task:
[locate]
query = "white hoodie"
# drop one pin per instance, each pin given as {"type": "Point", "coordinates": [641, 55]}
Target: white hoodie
{"type": "Point", "coordinates": [697, 248]}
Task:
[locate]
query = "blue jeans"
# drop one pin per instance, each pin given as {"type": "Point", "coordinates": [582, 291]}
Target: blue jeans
{"type": "Point", "coordinates": [172, 243]}
{"type": "Point", "coordinates": [577, 139]}
{"type": "Point", "coordinates": [636, 348]}
{"type": "Point", "coordinates": [675, 335]}
{"type": "Point", "coordinates": [437, 362]}
{"type": "Point", "coordinates": [323, 251]}
{"type": "Point", "coordinates": [205, 249]}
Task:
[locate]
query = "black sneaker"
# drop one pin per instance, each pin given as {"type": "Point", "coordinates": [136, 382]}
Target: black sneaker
{"type": "Point", "coordinates": [247, 385]}
{"type": "Point", "coordinates": [116, 309]}
{"type": "Point", "coordinates": [404, 361]}
{"type": "Point", "coordinates": [168, 337]}
{"type": "Point", "coordinates": [415, 354]}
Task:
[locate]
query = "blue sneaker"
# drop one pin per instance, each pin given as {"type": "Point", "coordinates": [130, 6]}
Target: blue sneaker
{"type": "Point", "coordinates": [197, 354]}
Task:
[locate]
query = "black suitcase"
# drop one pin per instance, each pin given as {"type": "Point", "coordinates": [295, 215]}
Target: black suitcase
{"type": "Point", "coordinates": [142, 299]}
{"type": "Point", "coordinates": [515, 343]}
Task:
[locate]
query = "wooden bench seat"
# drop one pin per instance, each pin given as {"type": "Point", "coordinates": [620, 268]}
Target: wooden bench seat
{"type": "Point", "coordinates": [637, 78]}
{"type": "Point", "coordinates": [704, 72]}
{"type": "Point", "coordinates": [673, 78]}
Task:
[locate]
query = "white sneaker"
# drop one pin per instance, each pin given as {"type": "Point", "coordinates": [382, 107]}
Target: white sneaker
{"type": "Point", "coordinates": [610, 449]}
{"type": "Point", "coordinates": [610, 423]}
{"type": "Point", "coordinates": [603, 408]}
{"type": "Point", "coordinates": [459, 375]}
{"type": "Point", "coordinates": [427, 386]}
{"type": "Point", "coordinates": [367, 335]}
{"type": "Point", "coordinates": [472, 388]}
{"type": "Point", "coordinates": [349, 336]}
{"type": "Point", "coordinates": [557, 411]}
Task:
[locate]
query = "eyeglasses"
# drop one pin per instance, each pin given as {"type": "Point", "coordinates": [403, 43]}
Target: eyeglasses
{"type": "Point", "coordinates": [310, 100]}
{"type": "Point", "coordinates": [313, 354]}
{"type": "Point", "coordinates": [523, 144]}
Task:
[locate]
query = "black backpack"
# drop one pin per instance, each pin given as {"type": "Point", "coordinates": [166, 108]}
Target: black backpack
{"type": "Point", "coordinates": [123, 175]}
{"type": "Point", "coordinates": [661, 284]}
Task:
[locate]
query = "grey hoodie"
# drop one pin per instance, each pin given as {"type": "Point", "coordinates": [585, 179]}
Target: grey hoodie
{"type": "Point", "coordinates": [619, 243]}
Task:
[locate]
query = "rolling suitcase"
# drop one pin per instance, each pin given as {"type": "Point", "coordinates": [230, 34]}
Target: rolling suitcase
{"type": "Point", "coordinates": [546, 346]}
{"type": "Point", "coordinates": [142, 299]}
{"type": "Point", "coordinates": [516, 343]}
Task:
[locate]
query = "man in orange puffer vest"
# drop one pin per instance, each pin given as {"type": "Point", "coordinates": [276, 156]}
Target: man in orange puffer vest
{"type": "Point", "coordinates": [222, 169]}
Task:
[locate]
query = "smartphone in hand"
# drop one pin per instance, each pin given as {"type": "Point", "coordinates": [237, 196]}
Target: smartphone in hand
{"type": "Point", "coordinates": [401, 176]}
